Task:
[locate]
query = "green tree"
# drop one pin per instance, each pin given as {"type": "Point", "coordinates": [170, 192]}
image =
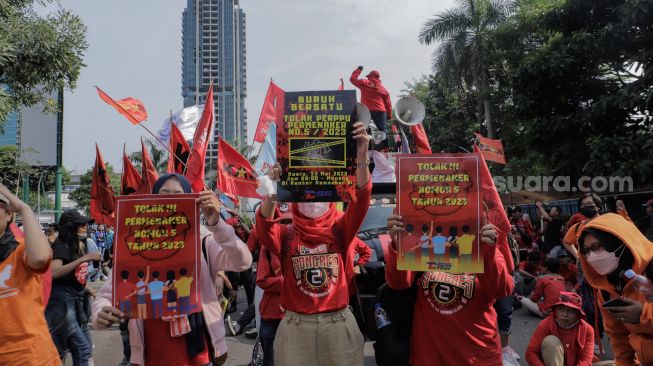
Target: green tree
{"type": "Point", "coordinates": [579, 87]}
{"type": "Point", "coordinates": [82, 195]}
{"type": "Point", "coordinates": [38, 55]}
{"type": "Point", "coordinates": [464, 57]}
{"type": "Point", "coordinates": [159, 156]}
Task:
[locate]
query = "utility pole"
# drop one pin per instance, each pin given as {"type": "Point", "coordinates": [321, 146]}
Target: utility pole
{"type": "Point", "coordinates": [57, 189]}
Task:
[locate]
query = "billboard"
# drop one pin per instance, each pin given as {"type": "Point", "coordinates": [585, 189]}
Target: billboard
{"type": "Point", "coordinates": [38, 134]}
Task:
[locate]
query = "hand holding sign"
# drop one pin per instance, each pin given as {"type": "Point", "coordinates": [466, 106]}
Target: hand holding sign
{"type": "Point", "coordinates": [362, 140]}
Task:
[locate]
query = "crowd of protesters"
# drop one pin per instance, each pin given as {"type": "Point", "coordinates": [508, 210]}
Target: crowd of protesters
{"type": "Point", "coordinates": [574, 277]}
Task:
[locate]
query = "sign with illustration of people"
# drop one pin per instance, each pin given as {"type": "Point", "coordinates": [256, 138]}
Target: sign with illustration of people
{"type": "Point", "coordinates": [157, 255]}
{"type": "Point", "coordinates": [439, 198]}
{"type": "Point", "coordinates": [315, 147]}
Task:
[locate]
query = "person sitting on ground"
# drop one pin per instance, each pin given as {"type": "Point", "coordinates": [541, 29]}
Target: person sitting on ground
{"type": "Point", "coordinates": [528, 272]}
{"type": "Point", "coordinates": [547, 289]}
{"type": "Point", "coordinates": [564, 337]}
{"type": "Point", "coordinates": [568, 270]}
{"type": "Point", "coordinates": [151, 339]}
{"type": "Point", "coordinates": [24, 257]}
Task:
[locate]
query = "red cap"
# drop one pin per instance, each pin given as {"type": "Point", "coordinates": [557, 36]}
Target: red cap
{"type": "Point", "coordinates": [570, 300]}
{"type": "Point", "coordinates": [374, 74]}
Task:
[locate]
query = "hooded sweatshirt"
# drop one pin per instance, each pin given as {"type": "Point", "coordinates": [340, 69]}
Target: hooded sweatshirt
{"type": "Point", "coordinates": [373, 94]}
{"type": "Point", "coordinates": [632, 343]}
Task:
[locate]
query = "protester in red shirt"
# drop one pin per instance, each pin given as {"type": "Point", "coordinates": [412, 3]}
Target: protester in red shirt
{"type": "Point", "coordinates": [270, 279]}
{"type": "Point", "coordinates": [564, 337]}
{"type": "Point", "coordinates": [374, 96]}
{"type": "Point", "coordinates": [522, 229]}
{"type": "Point", "coordinates": [547, 289]}
{"type": "Point", "coordinates": [364, 254]}
{"type": "Point", "coordinates": [568, 270]}
{"type": "Point", "coordinates": [454, 322]}
{"type": "Point", "coordinates": [318, 327]}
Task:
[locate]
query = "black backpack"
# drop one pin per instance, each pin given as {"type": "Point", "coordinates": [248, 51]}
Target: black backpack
{"type": "Point", "coordinates": [392, 342]}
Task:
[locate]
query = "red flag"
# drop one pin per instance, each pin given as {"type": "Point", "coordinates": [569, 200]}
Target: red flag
{"type": "Point", "coordinates": [131, 179]}
{"type": "Point", "coordinates": [493, 208]}
{"type": "Point", "coordinates": [236, 177]}
{"type": "Point", "coordinates": [148, 172]}
{"type": "Point", "coordinates": [132, 109]}
{"type": "Point", "coordinates": [195, 165]}
{"type": "Point", "coordinates": [102, 197]}
{"type": "Point", "coordinates": [421, 140]}
{"type": "Point", "coordinates": [342, 85]}
{"type": "Point", "coordinates": [181, 150]}
{"type": "Point", "coordinates": [492, 150]}
{"type": "Point", "coordinates": [268, 113]}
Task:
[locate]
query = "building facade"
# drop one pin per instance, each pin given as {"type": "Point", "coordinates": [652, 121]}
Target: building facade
{"type": "Point", "coordinates": [216, 33]}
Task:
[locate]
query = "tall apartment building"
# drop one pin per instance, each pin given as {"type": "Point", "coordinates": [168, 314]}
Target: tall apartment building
{"type": "Point", "coordinates": [214, 30]}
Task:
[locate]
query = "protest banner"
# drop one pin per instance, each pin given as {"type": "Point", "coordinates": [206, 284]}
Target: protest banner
{"type": "Point", "coordinates": [315, 146]}
{"type": "Point", "coordinates": [156, 255]}
{"type": "Point", "coordinates": [438, 197]}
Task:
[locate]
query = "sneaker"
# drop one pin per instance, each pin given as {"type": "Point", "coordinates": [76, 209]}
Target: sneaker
{"type": "Point", "coordinates": [508, 360]}
{"type": "Point", "coordinates": [512, 352]}
{"type": "Point", "coordinates": [251, 333]}
{"type": "Point", "coordinates": [232, 326]}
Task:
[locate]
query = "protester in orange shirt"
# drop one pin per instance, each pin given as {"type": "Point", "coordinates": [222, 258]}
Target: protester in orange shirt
{"type": "Point", "coordinates": [24, 256]}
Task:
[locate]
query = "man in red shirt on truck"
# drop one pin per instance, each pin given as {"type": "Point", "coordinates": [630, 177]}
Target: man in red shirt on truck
{"type": "Point", "coordinates": [374, 96]}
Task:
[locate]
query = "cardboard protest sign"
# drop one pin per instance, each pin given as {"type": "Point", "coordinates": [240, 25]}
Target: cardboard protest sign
{"type": "Point", "coordinates": [315, 147]}
{"type": "Point", "coordinates": [438, 197]}
{"type": "Point", "coordinates": [156, 255]}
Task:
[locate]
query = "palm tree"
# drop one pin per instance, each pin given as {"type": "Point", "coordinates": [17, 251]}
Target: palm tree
{"type": "Point", "coordinates": [463, 57]}
{"type": "Point", "coordinates": [159, 156]}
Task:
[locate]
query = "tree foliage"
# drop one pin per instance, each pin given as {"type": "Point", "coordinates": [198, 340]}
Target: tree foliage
{"type": "Point", "coordinates": [570, 84]}
{"type": "Point", "coordinates": [82, 195]}
{"type": "Point", "coordinates": [158, 155]}
{"type": "Point", "coordinates": [38, 55]}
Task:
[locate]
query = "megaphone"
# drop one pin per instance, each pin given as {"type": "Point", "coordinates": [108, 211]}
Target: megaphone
{"type": "Point", "coordinates": [363, 114]}
{"type": "Point", "coordinates": [377, 135]}
{"type": "Point", "coordinates": [409, 111]}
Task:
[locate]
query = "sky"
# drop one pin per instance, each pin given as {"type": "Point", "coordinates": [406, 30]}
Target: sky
{"type": "Point", "coordinates": [135, 50]}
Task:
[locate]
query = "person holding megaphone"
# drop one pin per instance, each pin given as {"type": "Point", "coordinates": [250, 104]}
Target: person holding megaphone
{"type": "Point", "coordinates": [375, 97]}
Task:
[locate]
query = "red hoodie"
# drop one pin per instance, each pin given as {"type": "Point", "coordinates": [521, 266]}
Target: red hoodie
{"type": "Point", "coordinates": [314, 274]}
{"type": "Point", "coordinates": [373, 93]}
{"type": "Point", "coordinates": [269, 278]}
{"type": "Point", "coordinates": [578, 342]}
{"type": "Point", "coordinates": [454, 321]}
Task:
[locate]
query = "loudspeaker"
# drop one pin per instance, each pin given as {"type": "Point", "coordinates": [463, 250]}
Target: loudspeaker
{"type": "Point", "coordinates": [363, 114]}
{"type": "Point", "coordinates": [409, 111]}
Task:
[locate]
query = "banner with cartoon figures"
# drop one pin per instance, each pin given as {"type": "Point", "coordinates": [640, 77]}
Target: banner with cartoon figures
{"type": "Point", "coordinates": [156, 255]}
{"type": "Point", "coordinates": [315, 147]}
{"type": "Point", "coordinates": [438, 197]}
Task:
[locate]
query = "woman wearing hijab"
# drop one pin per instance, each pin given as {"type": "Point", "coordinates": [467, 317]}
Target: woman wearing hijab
{"type": "Point", "coordinates": [67, 311]}
{"type": "Point", "coordinates": [610, 246]}
{"type": "Point", "coordinates": [318, 328]}
{"type": "Point", "coordinates": [151, 341]}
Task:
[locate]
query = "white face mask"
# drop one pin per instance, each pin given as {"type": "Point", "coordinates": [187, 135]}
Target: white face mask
{"type": "Point", "coordinates": [604, 262]}
{"type": "Point", "coordinates": [313, 210]}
